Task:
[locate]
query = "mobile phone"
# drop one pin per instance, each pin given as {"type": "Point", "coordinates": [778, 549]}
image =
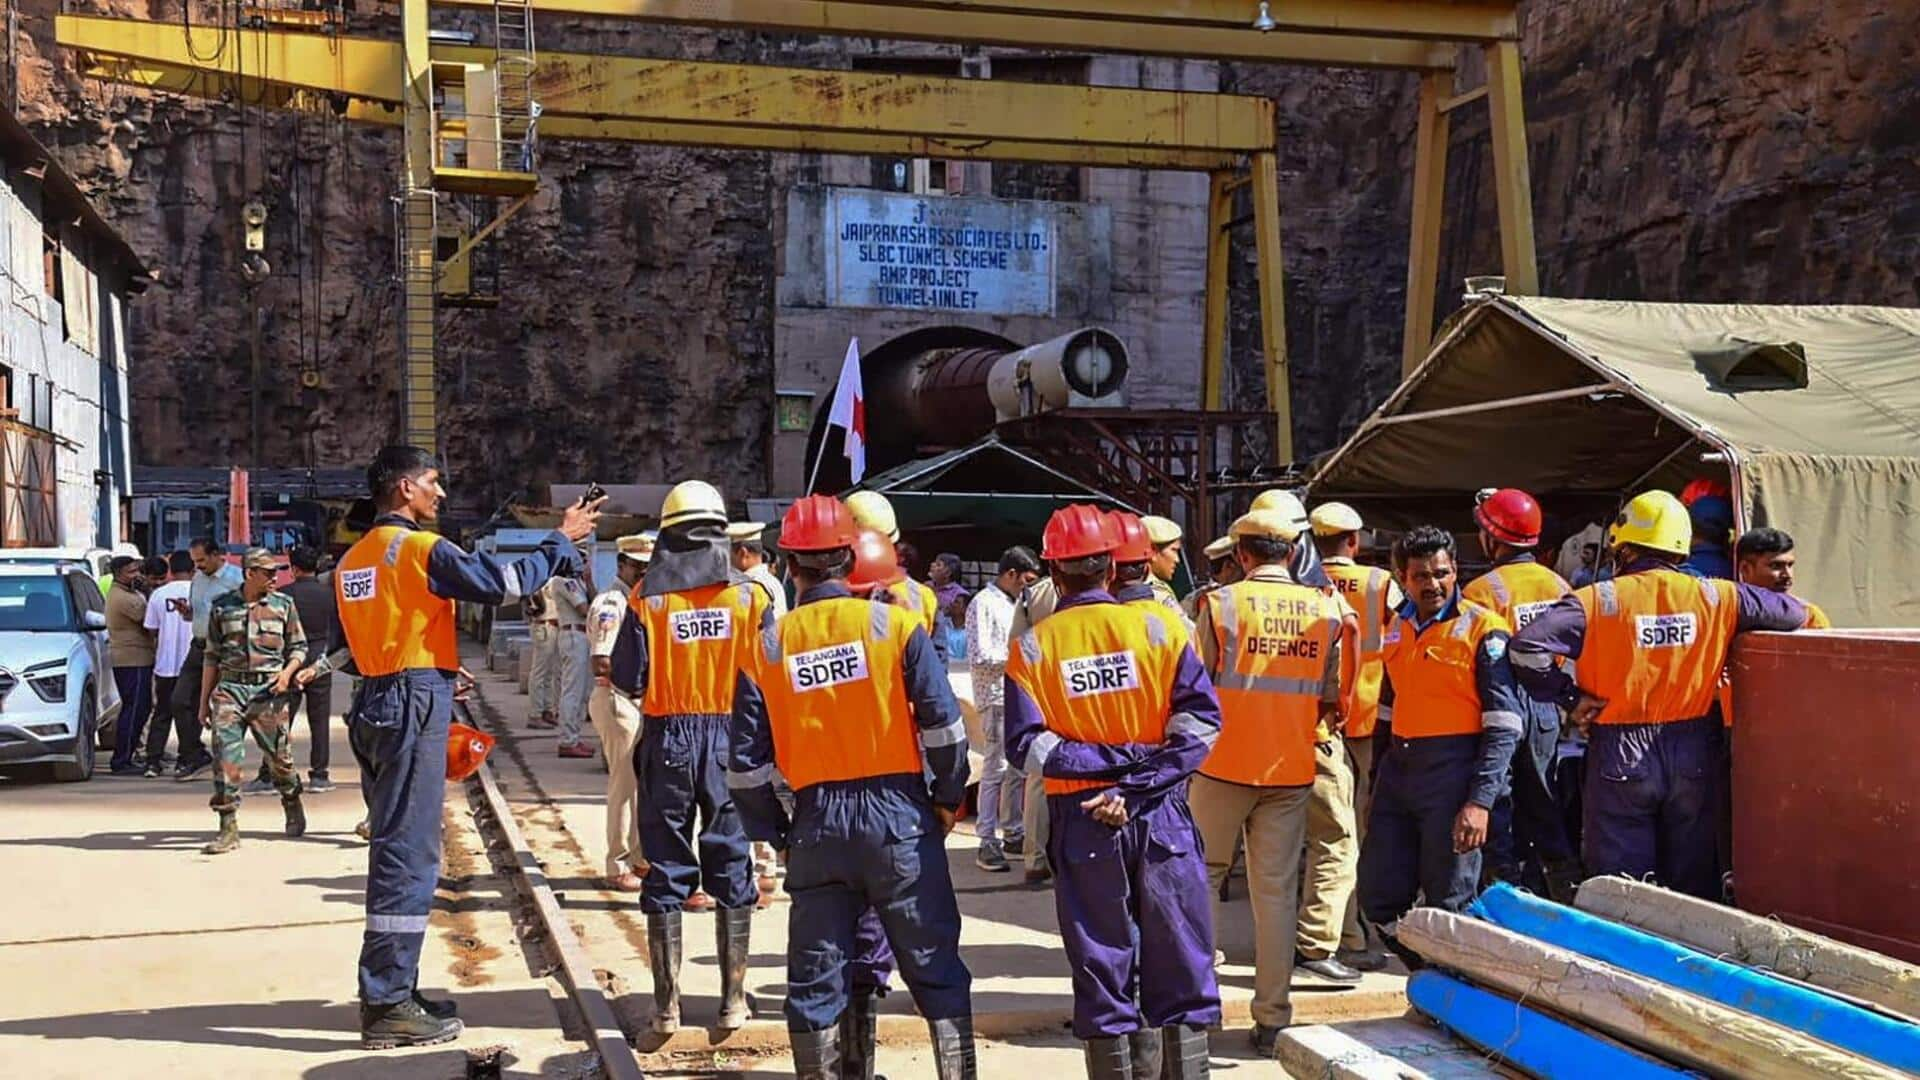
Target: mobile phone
{"type": "Point", "coordinates": [594, 491]}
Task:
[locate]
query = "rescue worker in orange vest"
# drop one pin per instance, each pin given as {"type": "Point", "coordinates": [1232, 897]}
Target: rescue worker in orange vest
{"type": "Point", "coordinates": [396, 589]}
{"type": "Point", "coordinates": [1109, 704]}
{"type": "Point", "coordinates": [1528, 830]}
{"type": "Point", "coordinates": [845, 698]}
{"type": "Point", "coordinates": [689, 625]}
{"type": "Point", "coordinates": [1133, 578]}
{"type": "Point", "coordinates": [1272, 648]}
{"type": "Point", "coordinates": [1372, 595]}
{"type": "Point", "coordinates": [872, 511]}
{"type": "Point", "coordinates": [1456, 719]}
{"type": "Point", "coordinates": [1651, 643]}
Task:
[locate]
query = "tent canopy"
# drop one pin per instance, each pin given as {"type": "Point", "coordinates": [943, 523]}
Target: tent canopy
{"type": "Point", "coordinates": [1812, 414]}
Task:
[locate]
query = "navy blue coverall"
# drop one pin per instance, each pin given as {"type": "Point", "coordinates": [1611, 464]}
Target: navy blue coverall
{"type": "Point", "coordinates": [863, 848]}
{"type": "Point", "coordinates": [397, 727]}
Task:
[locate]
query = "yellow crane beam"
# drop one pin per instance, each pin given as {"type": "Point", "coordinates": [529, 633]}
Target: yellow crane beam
{"type": "Point", "coordinates": [1322, 33]}
{"type": "Point", "coordinates": [603, 89]}
{"type": "Point", "coordinates": [213, 85]}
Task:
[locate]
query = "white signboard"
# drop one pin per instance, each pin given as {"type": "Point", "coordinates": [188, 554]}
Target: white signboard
{"type": "Point", "coordinates": [934, 253]}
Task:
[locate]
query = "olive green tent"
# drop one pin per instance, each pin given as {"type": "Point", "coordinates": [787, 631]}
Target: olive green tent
{"type": "Point", "coordinates": [1811, 414]}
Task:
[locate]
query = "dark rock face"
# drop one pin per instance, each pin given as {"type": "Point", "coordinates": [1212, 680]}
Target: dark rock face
{"type": "Point", "coordinates": [1762, 150]}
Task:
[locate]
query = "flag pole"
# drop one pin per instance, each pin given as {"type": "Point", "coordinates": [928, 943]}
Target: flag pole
{"type": "Point", "coordinates": [815, 474]}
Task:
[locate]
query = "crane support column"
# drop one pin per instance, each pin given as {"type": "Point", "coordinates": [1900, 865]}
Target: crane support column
{"type": "Point", "coordinates": [1213, 377]}
{"type": "Point", "coordinates": [418, 390]}
{"type": "Point", "coordinates": [1429, 192]}
{"type": "Point", "coordinates": [1273, 306]}
{"type": "Point", "coordinates": [1511, 186]}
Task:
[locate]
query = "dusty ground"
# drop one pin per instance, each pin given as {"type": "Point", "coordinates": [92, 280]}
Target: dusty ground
{"type": "Point", "coordinates": [129, 953]}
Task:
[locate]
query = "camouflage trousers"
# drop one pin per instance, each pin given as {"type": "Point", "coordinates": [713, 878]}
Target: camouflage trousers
{"type": "Point", "coordinates": [235, 709]}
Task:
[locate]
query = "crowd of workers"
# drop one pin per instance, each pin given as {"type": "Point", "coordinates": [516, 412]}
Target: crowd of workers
{"type": "Point", "coordinates": [1399, 736]}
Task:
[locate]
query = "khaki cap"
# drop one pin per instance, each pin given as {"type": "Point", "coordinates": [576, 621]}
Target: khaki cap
{"type": "Point", "coordinates": [743, 531]}
{"type": "Point", "coordinates": [1266, 524]}
{"type": "Point", "coordinates": [1334, 518]}
{"type": "Point", "coordinates": [1160, 530]}
{"type": "Point", "coordinates": [638, 547]}
{"type": "Point", "coordinates": [1220, 548]}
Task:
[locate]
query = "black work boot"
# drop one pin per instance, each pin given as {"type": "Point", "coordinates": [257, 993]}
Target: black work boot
{"type": "Point", "coordinates": [859, 1025]}
{"type": "Point", "coordinates": [1144, 1047]}
{"type": "Point", "coordinates": [439, 1009]}
{"type": "Point", "coordinates": [1563, 879]}
{"type": "Point", "coordinates": [663, 955]}
{"type": "Point", "coordinates": [735, 926]}
{"type": "Point", "coordinates": [296, 816]}
{"type": "Point", "coordinates": [404, 1023]}
{"type": "Point", "coordinates": [953, 1048]}
{"type": "Point", "coordinates": [1185, 1047]}
{"type": "Point", "coordinates": [816, 1054]}
{"type": "Point", "coordinates": [1110, 1059]}
{"type": "Point", "coordinates": [229, 836]}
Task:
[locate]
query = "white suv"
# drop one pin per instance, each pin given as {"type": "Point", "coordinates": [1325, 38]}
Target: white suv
{"type": "Point", "coordinates": [56, 683]}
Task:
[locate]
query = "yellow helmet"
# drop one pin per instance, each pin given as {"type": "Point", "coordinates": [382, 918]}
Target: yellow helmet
{"type": "Point", "coordinates": [1654, 520]}
{"type": "Point", "coordinates": [692, 501]}
{"type": "Point", "coordinates": [1267, 524]}
{"type": "Point", "coordinates": [872, 511]}
{"type": "Point", "coordinates": [1286, 503]}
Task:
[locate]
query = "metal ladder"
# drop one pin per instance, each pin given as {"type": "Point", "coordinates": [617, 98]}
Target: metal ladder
{"type": "Point", "coordinates": [513, 64]}
{"type": "Point", "coordinates": [417, 288]}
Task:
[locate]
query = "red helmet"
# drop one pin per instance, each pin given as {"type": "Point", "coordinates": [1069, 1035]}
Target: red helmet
{"type": "Point", "coordinates": [467, 750]}
{"type": "Point", "coordinates": [875, 564]}
{"type": "Point", "coordinates": [1510, 516]}
{"type": "Point", "coordinates": [817, 523]}
{"type": "Point", "coordinates": [1134, 545]}
{"type": "Point", "coordinates": [1077, 532]}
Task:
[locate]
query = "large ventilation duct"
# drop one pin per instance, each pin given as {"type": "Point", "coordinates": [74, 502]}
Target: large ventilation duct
{"type": "Point", "coordinates": [944, 387]}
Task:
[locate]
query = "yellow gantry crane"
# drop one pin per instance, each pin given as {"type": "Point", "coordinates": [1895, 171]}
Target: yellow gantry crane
{"type": "Point", "coordinates": [500, 100]}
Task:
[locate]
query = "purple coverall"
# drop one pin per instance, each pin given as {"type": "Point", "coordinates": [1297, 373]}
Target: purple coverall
{"type": "Point", "coordinates": [1651, 791]}
{"type": "Point", "coordinates": [1133, 902]}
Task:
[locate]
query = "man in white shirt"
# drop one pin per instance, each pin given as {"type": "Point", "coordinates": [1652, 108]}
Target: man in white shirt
{"type": "Point", "coordinates": [213, 577]}
{"type": "Point", "coordinates": [616, 717]}
{"type": "Point", "coordinates": [1002, 789]}
{"type": "Point", "coordinates": [169, 617]}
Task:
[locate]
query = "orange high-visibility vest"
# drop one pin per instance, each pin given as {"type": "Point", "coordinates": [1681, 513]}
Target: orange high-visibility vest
{"type": "Point", "coordinates": [1366, 589]}
{"type": "Point", "coordinates": [1656, 643]}
{"type": "Point", "coordinates": [1519, 591]}
{"type": "Point", "coordinates": [1435, 691]}
{"type": "Point", "coordinates": [1100, 673]}
{"type": "Point", "coordinates": [391, 620]}
{"type": "Point", "coordinates": [833, 676]}
{"type": "Point", "coordinates": [920, 601]}
{"type": "Point", "coordinates": [696, 641]}
{"type": "Point", "coordinates": [1274, 639]}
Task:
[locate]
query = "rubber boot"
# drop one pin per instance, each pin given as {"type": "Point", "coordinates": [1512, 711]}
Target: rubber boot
{"type": "Point", "coordinates": [859, 1026]}
{"type": "Point", "coordinates": [735, 928]}
{"type": "Point", "coordinates": [663, 955]}
{"type": "Point", "coordinates": [229, 837]}
{"type": "Point", "coordinates": [816, 1054]}
{"type": "Point", "coordinates": [953, 1057]}
{"type": "Point", "coordinates": [296, 816]}
{"type": "Point", "coordinates": [1110, 1059]}
{"type": "Point", "coordinates": [1145, 1048]}
{"type": "Point", "coordinates": [404, 1023]}
{"type": "Point", "coordinates": [1185, 1050]}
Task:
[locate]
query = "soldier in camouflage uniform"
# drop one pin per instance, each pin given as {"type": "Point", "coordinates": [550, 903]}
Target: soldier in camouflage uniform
{"type": "Point", "coordinates": [255, 644]}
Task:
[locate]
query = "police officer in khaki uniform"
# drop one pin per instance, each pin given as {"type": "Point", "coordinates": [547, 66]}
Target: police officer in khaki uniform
{"type": "Point", "coordinates": [616, 716]}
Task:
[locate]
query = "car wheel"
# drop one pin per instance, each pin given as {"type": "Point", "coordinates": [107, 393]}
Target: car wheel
{"type": "Point", "coordinates": [80, 769]}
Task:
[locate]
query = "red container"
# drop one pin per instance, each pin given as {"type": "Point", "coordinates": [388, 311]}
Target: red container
{"type": "Point", "coordinates": [1826, 784]}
